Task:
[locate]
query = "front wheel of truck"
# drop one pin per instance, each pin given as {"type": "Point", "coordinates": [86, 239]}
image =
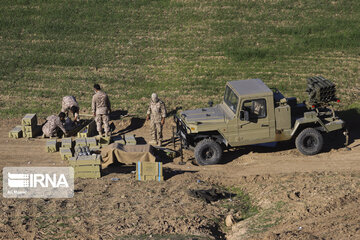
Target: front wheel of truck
{"type": "Point", "coordinates": [207, 152]}
{"type": "Point", "coordinates": [309, 141]}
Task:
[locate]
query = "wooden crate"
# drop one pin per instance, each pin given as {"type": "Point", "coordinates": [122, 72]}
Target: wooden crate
{"type": "Point", "coordinates": [65, 153]}
{"type": "Point", "coordinates": [16, 132]}
{"type": "Point", "coordinates": [28, 128]}
{"type": "Point", "coordinates": [86, 166]}
{"type": "Point", "coordinates": [104, 141]}
{"type": "Point", "coordinates": [34, 133]}
{"type": "Point", "coordinates": [52, 145]}
{"type": "Point", "coordinates": [91, 142]}
{"type": "Point", "coordinates": [29, 119]}
{"type": "Point", "coordinates": [66, 143]}
{"type": "Point", "coordinates": [80, 142]}
{"type": "Point", "coordinates": [149, 171]}
{"type": "Point", "coordinates": [130, 139]}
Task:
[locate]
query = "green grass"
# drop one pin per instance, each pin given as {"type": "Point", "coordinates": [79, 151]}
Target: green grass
{"type": "Point", "coordinates": [183, 50]}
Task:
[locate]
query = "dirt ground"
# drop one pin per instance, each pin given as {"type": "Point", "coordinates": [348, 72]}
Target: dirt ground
{"type": "Point", "coordinates": [296, 196]}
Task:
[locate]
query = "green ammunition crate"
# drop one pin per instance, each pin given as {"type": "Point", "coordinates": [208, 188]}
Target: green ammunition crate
{"type": "Point", "coordinates": [91, 142]}
{"type": "Point", "coordinates": [81, 142]}
{"type": "Point", "coordinates": [104, 140]}
{"type": "Point", "coordinates": [81, 174]}
{"type": "Point", "coordinates": [34, 133]}
{"type": "Point", "coordinates": [148, 171]}
{"type": "Point", "coordinates": [86, 166]}
{"type": "Point", "coordinates": [65, 153]}
{"type": "Point", "coordinates": [16, 132]}
{"type": "Point", "coordinates": [130, 139]}
{"type": "Point", "coordinates": [27, 129]}
{"type": "Point", "coordinates": [82, 133]}
{"type": "Point", "coordinates": [66, 143]}
{"type": "Point", "coordinates": [29, 120]}
{"type": "Point", "coordinates": [52, 145]}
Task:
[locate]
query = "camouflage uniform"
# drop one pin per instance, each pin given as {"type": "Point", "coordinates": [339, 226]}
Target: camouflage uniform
{"type": "Point", "coordinates": [52, 125]}
{"type": "Point", "coordinates": [157, 111]}
{"type": "Point", "coordinates": [101, 107]}
{"type": "Point", "coordinates": [67, 103]}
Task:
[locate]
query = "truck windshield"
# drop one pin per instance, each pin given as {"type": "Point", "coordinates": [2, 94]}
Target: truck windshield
{"type": "Point", "coordinates": [231, 99]}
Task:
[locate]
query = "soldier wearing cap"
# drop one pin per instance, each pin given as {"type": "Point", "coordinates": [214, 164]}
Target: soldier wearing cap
{"type": "Point", "coordinates": [156, 113]}
{"type": "Point", "coordinates": [69, 104]}
{"type": "Point", "coordinates": [101, 109]}
{"type": "Point", "coordinates": [54, 126]}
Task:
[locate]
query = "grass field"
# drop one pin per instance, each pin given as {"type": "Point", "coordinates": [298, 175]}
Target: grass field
{"type": "Point", "coordinates": [183, 50]}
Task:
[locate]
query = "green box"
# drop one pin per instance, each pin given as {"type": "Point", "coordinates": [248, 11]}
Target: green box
{"type": "Point", "coordinates": [130, 139]}
{"type": "Point", "coordinates": [36, 132]}
{"type": "Point", "coordinates": [16, 132]}
{"type": "Point", "coordinates": [65, 153]}
{"type": "Point", "coordinates": [91, 142]}
{"type": "Point", "coordinates": [81, 142]}
{"type": "Point", "coordinates": [94, 149]}
{"type": "Point", "coordinates": [29, 119]}
{"type": "Point", "coordinates": [86, 166]}
{"type": "Point", "coordinates": [104, 140]}
{"type": "Point", "coordinates": [27, 129]}
{"type": "Point", "coordinates": [52, 145]}
{"type": "Point", "coordinates": [149, 171]}
{"type": "Point", "coordinates": [66, 143]}
{"type": "Point", "coordinates": [82, 174]}
{"type": "Point", "coordinates": [82, 134]}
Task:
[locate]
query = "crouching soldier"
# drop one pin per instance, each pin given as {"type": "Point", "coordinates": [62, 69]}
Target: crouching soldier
{"type": "Point", "coordinates": [53, 126]}
{"type": "Point", "coordinates": [156, 113]}
{"type": "Point", "coordinates": [101, 109]}
{"type": "Point", "coordinates": [69, 104]}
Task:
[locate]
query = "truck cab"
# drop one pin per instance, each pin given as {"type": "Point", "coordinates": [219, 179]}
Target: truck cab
{"type": "Point", "coordinates": [250, 113]}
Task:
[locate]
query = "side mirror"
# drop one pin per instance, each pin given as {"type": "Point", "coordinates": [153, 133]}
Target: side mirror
{"type": "Point", "coordinates": [211, 103]}
{"type": "Point", "coordinates": [244, 115]}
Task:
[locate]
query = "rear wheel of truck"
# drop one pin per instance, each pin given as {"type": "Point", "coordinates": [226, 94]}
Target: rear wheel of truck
{"type": "Point", "coordinates": [309, 141]}
{"type": "Point", "coordinates": [207, 152]}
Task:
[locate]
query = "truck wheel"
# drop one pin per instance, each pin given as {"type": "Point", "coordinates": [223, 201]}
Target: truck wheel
{"type": "Point", "coordinates": [207, 152]}
{"type": "Point", "coordinates": [309, 141]}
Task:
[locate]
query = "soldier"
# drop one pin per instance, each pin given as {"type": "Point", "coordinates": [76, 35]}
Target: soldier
{"type": "Point", "coordinates": [69, 103]}
{"type": "Point", "coordinates": [156, 113]}
{"type": "Point", "coordinates": [54, 125]}
{"type": "Point", "coordinates": [101, 109]}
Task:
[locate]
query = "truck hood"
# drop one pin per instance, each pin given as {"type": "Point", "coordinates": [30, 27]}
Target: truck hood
{"type": "Point", "coordinates": [204, 115]}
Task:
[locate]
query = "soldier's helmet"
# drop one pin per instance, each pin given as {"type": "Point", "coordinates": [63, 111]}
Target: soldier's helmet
{"type": "Point", "coordinates": [154, 97]}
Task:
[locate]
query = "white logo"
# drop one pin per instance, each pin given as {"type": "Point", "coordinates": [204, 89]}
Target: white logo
{"type": "Point", "coordinates": [38, 182]}
{"type": "Point", "coordinates": [16, 180]}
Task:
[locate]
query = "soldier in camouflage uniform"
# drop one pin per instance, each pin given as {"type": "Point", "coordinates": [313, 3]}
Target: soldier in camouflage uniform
{"type": "Point", "coordinates": [101, 109]}
{"type": "Point", "coordinates": [156, 113]}
{"type": "Point", "coordinates": [54, 125]}
{"type": "Point", "coordinates": [69, 103]}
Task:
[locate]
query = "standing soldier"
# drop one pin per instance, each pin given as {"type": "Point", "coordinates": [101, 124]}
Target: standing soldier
{"type": "Point", "coordinates": [156, 113]}
{"type": "Point", "coordinates": [101, 109]}
{"type": "Point", "coordinates": [69, 103]}
{"type": "Point", "coordinates": [53, 126]}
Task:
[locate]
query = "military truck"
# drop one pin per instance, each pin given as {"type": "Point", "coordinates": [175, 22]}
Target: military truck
{"type": "Point", "coordinates": [252, 113]}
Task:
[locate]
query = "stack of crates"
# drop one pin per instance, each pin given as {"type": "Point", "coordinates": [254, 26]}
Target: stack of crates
{"type": "Point", "coordinates": [86, 166]}
{"type": "Point", "coordinates": [149, 171]}
{"type": "Point", "coordinates": [16, 132]}
{"type": "Point", "coordinates": [66, 149]}
{"type": "Point", "coordinates": [30, 128]}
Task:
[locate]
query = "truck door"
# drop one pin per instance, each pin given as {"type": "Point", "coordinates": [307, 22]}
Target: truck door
{"type": "Point", "coordinates": [256, 128]}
